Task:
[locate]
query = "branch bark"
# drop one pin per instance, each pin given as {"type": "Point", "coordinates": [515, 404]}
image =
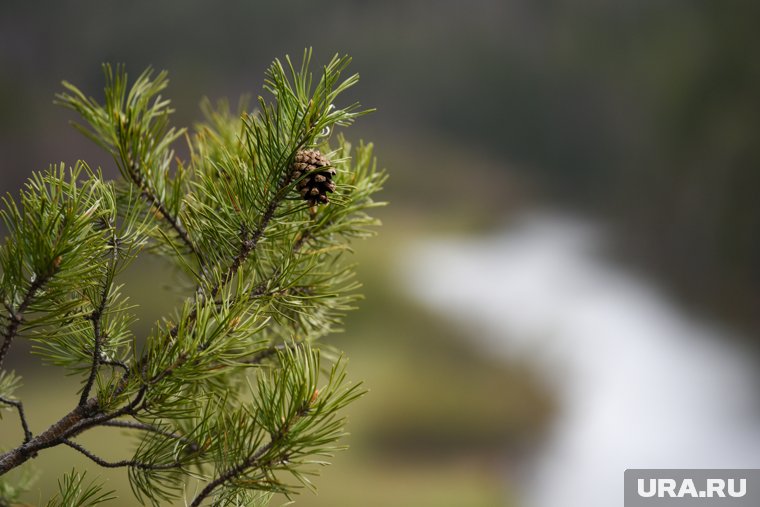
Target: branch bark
{"type": "Point", "coordinates": [20, 408]}
{"type": "Point", "coordinates": [16, 317]}
{"type": "Point", "coordinates": [97, 317]}
{"type": "Point", "coordinates": [119, 464]}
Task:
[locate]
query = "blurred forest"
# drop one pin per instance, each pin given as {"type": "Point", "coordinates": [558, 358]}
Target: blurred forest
{"type": "Point", "coordinates": [640, 112]}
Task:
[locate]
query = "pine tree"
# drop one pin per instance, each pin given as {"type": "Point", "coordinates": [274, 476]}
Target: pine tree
{"type": "Point", "coordinates": [232, 398]}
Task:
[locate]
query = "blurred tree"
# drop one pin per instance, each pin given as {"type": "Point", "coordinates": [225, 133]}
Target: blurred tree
{"type": "Point", "coordinates": [231, 393]}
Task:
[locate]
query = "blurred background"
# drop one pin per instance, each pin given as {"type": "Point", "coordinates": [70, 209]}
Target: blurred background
{"type": "Point", "coordinates": [568, 278]}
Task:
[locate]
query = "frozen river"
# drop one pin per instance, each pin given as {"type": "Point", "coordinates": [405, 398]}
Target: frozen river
{"type": "Point", "coordinates": [640, 383]}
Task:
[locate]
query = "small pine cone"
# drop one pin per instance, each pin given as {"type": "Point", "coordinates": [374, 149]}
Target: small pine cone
{"type": "Point", "coordinates": [314, 175]}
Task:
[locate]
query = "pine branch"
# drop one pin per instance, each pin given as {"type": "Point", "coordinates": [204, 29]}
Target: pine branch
{"type": "Point", "coordinates": [81, 418]}
{"type": "Point", "coordinates": [249, 244]}
{"type": "Point", "coordinates": [193, 446]}
{"type": "Point", "coordinates": [247, 247]}
{"type": "Point", "coordinates": [96, 317]}
{"type": "Point", "coordinates": [151, 198]}
{"type": "Point", "coordinates": [115, 364]}
{"type": "Point", "coordinates": [253, 461]}
{"type": "Point", "coordinates": [298, 417]}
{"type": "Point", "coordinates": [135, 132]}
{"type": "Point", "coordinates": [49, 438]}
{"type": "Point", "coordinates": [120, 464]}
{"type": "Point", "coordinates": [269, 283]}
{"type": "Point", "coordinates": [272, 351]}
{"type": "Point", "coordinates": [16, 317]}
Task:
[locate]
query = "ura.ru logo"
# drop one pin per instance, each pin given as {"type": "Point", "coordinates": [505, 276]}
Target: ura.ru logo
{"type": "Point", "coordinates": [713, 488]}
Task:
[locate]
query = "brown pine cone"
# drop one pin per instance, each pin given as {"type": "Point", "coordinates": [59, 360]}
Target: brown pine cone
{"type": "Point", "coordinates": [314, 175]}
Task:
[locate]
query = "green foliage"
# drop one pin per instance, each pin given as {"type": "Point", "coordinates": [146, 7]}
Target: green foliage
{"type": "Point", "coordinates": [230, 394]}
{"type": "Point", "coordinates": [74, 492]}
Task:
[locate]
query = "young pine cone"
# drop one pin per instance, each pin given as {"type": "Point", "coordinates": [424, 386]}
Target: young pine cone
{"type": "Point", "coordinates": [314, 175]}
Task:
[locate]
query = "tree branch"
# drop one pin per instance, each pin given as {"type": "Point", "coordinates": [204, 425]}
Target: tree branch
{"type": "Point", "coordinates": [82, 418]}
{"type": "Point", "coordinates": [96, 317]}
{"type": "Point", "coordinates": [133, 170]}
{"type": "Point", "coordinates": [232, 473]}
{"type": "Point", "coordinates": [118, 464]}
{"type": "Point", "coordinates": [115, 363]}
{"type": "Point", "coordinates": [247, 246]}
{"type": "Point", "coordinates": [254, 460]}
{"type": "Point", "coordinates": [85, 415]}
{"type": "Point", "coordinates": [302, 238]}
{"type": "Point", "coordinates": [20, 407]}
{"type": "Point", "coordinates": [16, 317]}
{"type": "Point", "coordinates": [49, 438]}
{"type": "Point", "coordinates": [152, 429]}
{"type": "Point", "coordinates": [259, 357]}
